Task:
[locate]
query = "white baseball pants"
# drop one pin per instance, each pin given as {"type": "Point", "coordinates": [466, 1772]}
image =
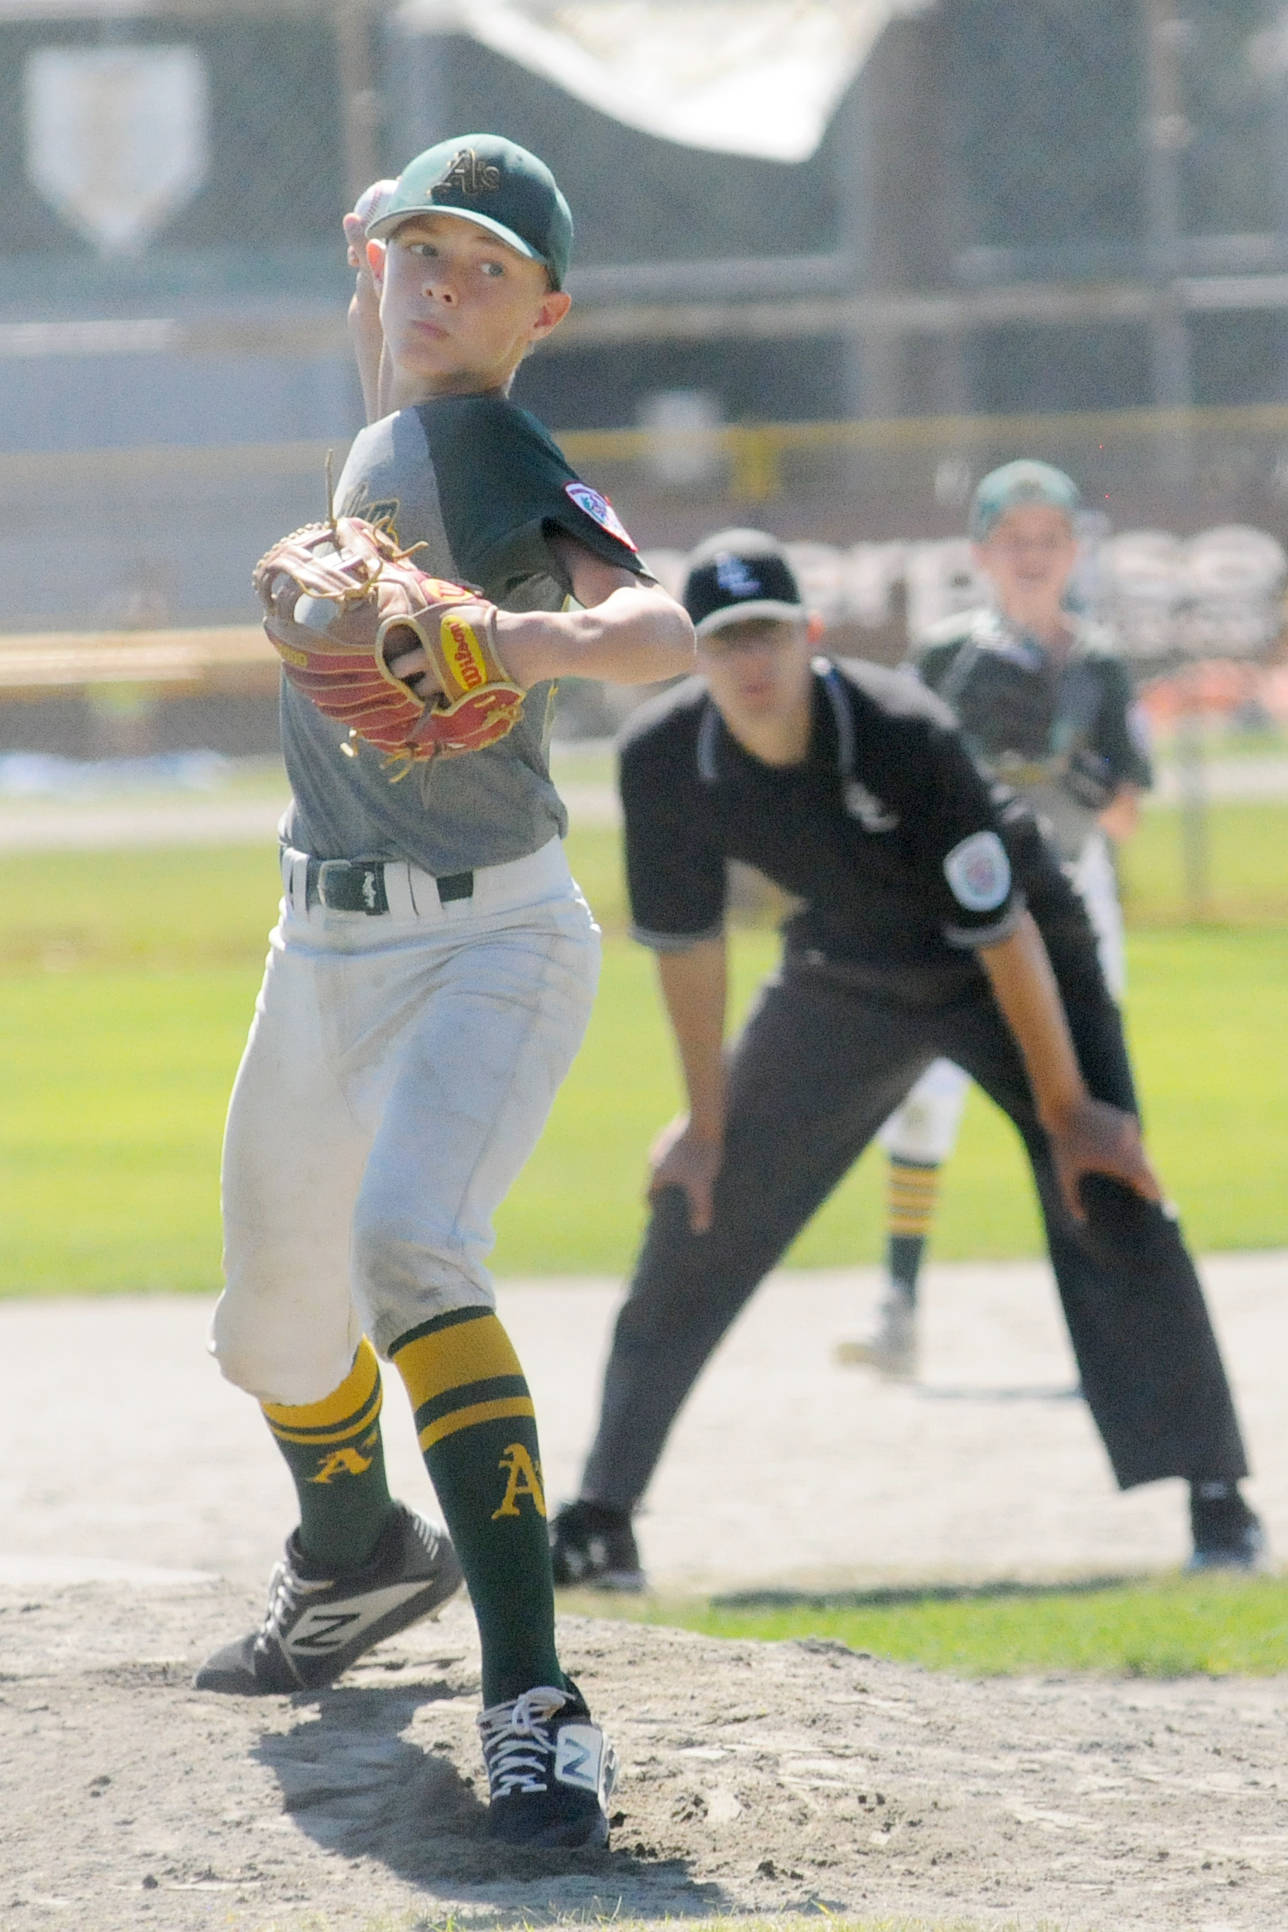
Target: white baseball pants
{"type": "Point", "coordinates": [399, 1070]}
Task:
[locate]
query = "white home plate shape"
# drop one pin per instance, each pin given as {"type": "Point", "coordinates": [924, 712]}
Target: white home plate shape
{"type": "Point", "coordinates": [117, 137]}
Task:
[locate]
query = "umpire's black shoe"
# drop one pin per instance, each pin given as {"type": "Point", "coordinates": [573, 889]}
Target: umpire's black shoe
{"type": "Point", "coordinates": [315, 1627]}
{"type": "Point", "coordinates": [550, 1771]}
{"type": "Point", "coordinates": [1227, 1534]}
{"type": "Point", "coordinates": [593, 1547]}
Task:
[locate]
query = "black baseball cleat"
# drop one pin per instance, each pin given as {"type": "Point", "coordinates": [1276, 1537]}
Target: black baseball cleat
{"type": "Point", "coordinates": [1227, 1534]}
{"type": "Point", "coordinates": [315, 1627]}
{"type": "Point", "coordinates": [550, 1771]}
{"type": "Point", "coordinates": [593, 1546]}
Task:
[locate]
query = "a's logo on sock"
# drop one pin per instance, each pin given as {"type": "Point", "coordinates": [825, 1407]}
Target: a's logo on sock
{"type": "Point", "coordinates": [341, 1462]}
{"type": "Point", "coordinates": [522, 1479]}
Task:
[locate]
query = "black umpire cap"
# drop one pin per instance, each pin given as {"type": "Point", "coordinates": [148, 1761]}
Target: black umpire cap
{"type": "Point", "coordinates": [738, 574]}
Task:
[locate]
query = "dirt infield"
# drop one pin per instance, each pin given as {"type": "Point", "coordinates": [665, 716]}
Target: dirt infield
{"type": "Point", "coordinates": [140, 1507]}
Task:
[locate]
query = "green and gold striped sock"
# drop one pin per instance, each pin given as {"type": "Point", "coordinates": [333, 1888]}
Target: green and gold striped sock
{"type": "Point", "coordinates": [478, 1434]}
{"type": "Point", "coordinates": [337, 1460]}
{"type": "Point", "coordinates": [912, 1191]}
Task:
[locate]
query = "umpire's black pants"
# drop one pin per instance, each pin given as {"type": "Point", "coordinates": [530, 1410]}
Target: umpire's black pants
{"type": "Point", "coordinates": [822, 1061]}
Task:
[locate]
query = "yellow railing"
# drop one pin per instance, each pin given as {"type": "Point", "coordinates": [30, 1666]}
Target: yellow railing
{"type": "Point", "coordinates": [178, 663]}
{"type": "Point", "coordinates": [754, 452]}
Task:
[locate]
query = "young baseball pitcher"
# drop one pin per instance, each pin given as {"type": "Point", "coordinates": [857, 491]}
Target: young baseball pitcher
{"type": "Point", "coordinates": [431, 974]}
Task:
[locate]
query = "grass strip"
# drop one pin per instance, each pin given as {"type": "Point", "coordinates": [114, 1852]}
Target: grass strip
{"type": "Point", "coordinates": [1157, 1627]}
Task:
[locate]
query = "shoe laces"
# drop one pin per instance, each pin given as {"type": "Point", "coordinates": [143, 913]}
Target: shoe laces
{"type": "Point", "coordinates": [517, 1746]}
{"type": "Point", "coordinates": [281, 1601]}
{"type": "Point", "coordinates": [286, 1590]}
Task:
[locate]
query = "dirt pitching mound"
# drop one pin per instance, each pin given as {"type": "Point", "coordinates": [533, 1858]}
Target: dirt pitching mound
{"type": "Point", "coordinates": [141, 1507]}
{"type": "Point", "coordinates": [756, 1778]}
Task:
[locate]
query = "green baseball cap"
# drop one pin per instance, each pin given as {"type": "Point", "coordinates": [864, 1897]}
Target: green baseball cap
{"type": "Point", "coordinates": [486, 179]}
{"type": "Point", "coordinates": [1016, 485]}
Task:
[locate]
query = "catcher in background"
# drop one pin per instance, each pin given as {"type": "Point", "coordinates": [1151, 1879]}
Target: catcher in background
{"type": "Point", "coordinates": [932, 919]}
{"type": "Point", "coordinates": [431, 975]}
{"type": "Point", "coordinates": [1046, 704]}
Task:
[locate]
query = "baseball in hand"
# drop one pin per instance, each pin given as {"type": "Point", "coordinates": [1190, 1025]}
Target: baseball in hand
{"type": "Point", "coordinates": [368, 204]}
{"type": "Point", "coordinates": [365, 209]}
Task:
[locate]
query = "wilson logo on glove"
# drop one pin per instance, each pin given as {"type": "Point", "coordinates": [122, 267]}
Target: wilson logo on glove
{"type": "Point", "coordinates": [407, 661]}
{"type": "Point", "coordinates": [466, 657]}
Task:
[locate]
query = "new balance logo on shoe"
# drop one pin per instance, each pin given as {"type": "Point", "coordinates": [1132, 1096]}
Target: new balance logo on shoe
{"type": "Point", "coordinates": [578, 1755]}
{"type": "Point", "coordinates": [314, 1628]}
{"type": "Point", "coordinates": [322, 1629]}
{"type": "Point", "coordinates": [321, 1632]}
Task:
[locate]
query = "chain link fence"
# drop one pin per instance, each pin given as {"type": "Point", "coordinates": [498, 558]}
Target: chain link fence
{"type": "Point", "coordinates": [1032, 227]}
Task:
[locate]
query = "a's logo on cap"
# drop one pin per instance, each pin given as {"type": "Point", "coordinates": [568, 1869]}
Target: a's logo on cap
{"type": "Point", "coordinates": [466, 175]}
{"type": "Point", "coordinates": [735, 578]}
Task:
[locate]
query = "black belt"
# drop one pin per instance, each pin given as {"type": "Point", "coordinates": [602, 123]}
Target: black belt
{"type": "Point", "coordinates": [358, 885]}
{"type": "Point", "coordinates": [914, 982]}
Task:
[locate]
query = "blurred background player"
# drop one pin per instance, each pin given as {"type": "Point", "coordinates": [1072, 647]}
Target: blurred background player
{"type": "Point", "coordinates": [1046, 704]}
{"type": "Point", "coordinates": [933, 920]}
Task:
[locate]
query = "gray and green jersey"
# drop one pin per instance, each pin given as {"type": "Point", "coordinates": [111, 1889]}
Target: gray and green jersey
{"type": "Point", "coordinates": [479, 483]}
{"type": "Point", "coordinates": [1065, 735]}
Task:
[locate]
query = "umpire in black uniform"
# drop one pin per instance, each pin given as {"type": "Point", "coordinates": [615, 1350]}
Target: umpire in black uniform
{"type": "Point", "coordinates": [933, 920]}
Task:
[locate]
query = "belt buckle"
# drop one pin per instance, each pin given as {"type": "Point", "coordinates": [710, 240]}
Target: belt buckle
{"type": "Point", "coordinates": [363, 887]}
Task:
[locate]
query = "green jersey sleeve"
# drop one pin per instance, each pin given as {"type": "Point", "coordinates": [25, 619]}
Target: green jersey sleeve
{"type": "Point", "coordinates": [504, 488]}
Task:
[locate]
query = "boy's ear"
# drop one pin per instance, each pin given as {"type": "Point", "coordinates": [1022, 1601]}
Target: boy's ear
{"type": "Point", "coordinates": [376, 261]}
{"type": "Point", "coordinates": [555, 304]}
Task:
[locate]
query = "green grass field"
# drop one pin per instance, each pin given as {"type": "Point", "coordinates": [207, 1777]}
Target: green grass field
{"type": "Point", "coordinates": [128, 983]}
{"type": "Point", "coordinates": [1161, 1627]}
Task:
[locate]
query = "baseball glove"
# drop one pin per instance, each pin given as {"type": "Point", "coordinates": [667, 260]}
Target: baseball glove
{"type": "Point", "coordinates": [343, 605]}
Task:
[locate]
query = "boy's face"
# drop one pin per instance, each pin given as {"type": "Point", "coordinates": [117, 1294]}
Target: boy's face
{"type": "Point", "coordinates": [1029, 556]}
{"type": "Point", "coordinates": [458, 306]}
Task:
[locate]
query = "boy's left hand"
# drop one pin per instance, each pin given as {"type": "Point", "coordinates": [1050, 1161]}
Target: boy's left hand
{"type": "Point", "coordinates": [354, 622]}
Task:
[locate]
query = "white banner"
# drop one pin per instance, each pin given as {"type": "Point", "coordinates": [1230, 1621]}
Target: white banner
{"type": "Point", "coordinates": [743, 76]}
